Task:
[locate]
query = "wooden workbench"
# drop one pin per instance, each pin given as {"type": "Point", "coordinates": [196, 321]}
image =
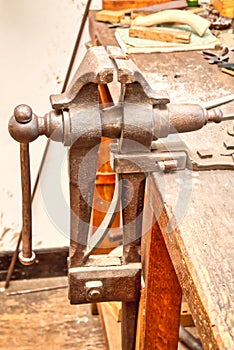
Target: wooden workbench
{"type": "Point", "coordinates": [200, 245]}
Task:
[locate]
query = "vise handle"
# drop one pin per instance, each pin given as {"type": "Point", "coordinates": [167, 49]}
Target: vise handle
{"type": "Point", "coordinates": [23, 115]}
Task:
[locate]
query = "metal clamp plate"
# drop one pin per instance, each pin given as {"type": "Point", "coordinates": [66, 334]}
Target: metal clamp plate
{"type": "Point", "coordinates": [110, 282]}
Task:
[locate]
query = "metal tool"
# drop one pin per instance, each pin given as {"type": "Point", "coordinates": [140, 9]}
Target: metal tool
{"type": "Point", "coordinates": [213, 57]}
{"type": "Point", "coordinates": [36, 290]}
{"type": "Point", "coordinates": [218, 102]}
{"type": "Point", "coordinates": [229, 65]}
{"type": "Point", "coordinates": [220, 58]}
{"type": "Point", "coordinates": [142, 116]}
{"type": "Point", "coordinates": [189, 340]}
{"type": "Point", "coordinates": [23, 115]}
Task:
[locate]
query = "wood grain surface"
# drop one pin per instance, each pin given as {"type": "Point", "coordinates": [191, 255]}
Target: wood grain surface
{"type": "Point", "coordinates": [126, 4]}
{"type": "Point", "coordinates": [203, 262]}
{"type": "Point", "coordinates": [162, 295]}
{"type": "Point", "coordinates": [202, 250]}
{"type": "Point", "coordinates": [45, 320]}
{"type": "Point", "coordinates": [160, 34]}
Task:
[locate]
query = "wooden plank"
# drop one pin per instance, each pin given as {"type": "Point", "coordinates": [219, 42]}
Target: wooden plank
{"type": "Point", "coordinates": [203, 264]}
{"type": "Point", "coordinates": [111, 328]}
{"type": "Point", "coordinates": [226, 8]}
{"type": "Point", "coordinates": [132, 206]}
{"type": "Point", "coordinates": [49, 262]}
{"type": "Point", "coordinates": [160, 34]}
{"type": "Point", "coordinates": [175, 4]}
{"type": "Point", "coordinates": [45, 320]}
{"type": "Point", "coordinates": [205, 274]}
{"type": "Point", "coordinates": [162, 295]}
{"type": "Point", "coordinates": [186, 319]}
{"type": "Point", "coordinates": [115, 308]}
{"type": "Point", "coordinates": [129, 325]}
{"type": "Point", "coordinates": [110, 315]}
{"type": "Point", "coordinates": [110, 16]}
{"type": "Point", "coordinates": [141, 321]}
{"type": "Point", "coordinates": [126, 4]}
{"type": "Point", "coordinates": [100, 33]}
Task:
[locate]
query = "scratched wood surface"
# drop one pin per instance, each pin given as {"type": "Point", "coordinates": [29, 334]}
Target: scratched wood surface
{"type": "Point", "coordinates": [126, 4]}
{"type": "Point", "coordinates": [159, 319]}
{"type": "Point", "coordinates": [202, 251]}
{"type": "Point", "coordinates": [46, 320]}
{"type": "Point", "coordinates": [203, 262]}
{"type": "Point", "coordinates": [202, 248]}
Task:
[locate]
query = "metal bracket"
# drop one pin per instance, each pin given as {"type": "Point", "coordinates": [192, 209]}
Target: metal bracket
{"type": "Point", "coordinates": [107, 278]}
{"type": "Point", "coordinates": [193, 161]}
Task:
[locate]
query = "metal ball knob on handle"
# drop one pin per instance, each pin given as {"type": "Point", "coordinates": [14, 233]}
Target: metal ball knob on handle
{"type": "Point", "coordinates": [23, 114]}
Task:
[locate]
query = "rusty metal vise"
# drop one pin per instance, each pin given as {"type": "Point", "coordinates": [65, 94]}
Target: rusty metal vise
{"type": "Point", "coordinates": [141, 117]}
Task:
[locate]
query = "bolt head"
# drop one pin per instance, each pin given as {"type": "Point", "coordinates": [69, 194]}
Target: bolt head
{"type": "Point", "coordinates": [23, 113]}
{"type": "Point", "coordinates": [94, 290]}
{"type": "Point", "coordinates": [94, 294]}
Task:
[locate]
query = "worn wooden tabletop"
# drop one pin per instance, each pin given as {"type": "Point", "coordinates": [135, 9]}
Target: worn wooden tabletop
{"type": "Point", "coordinates": [201, 247]}
{"type": "Point", "coordinates": [45, 320]}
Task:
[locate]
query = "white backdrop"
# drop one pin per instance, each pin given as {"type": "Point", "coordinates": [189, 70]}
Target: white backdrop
{"type": "Point", "coordinates": [37, 39]}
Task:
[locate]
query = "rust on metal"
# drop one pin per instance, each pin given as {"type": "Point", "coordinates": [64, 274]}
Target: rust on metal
{"type": "Point", "coordinates": [96, 68]}
{"type": "Point", "coordinates": [141, 117]}
{"type": "Point", "coordinates": [129, 73]}
{"type": "Point", "coordinates": [103, 279]}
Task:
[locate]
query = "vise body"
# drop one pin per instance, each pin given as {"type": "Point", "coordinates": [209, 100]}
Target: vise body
{"type": "Point", "coordinates": [140, 118]}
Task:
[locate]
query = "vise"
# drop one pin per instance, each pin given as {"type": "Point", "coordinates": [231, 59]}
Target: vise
{"type": "Point", "coordinates": [141, 117]}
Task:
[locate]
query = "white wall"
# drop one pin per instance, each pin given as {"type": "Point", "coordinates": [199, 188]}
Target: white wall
{"type": "Point", "coordinates": [37, 38]}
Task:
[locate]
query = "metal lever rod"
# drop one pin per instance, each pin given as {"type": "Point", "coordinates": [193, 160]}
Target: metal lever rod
{"type": "Point", "coordinates": [23, 115]}
{"type": "Point", "coordinates": [26, 256]}
{"type": "Point", "coordinates": [218, 101]}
